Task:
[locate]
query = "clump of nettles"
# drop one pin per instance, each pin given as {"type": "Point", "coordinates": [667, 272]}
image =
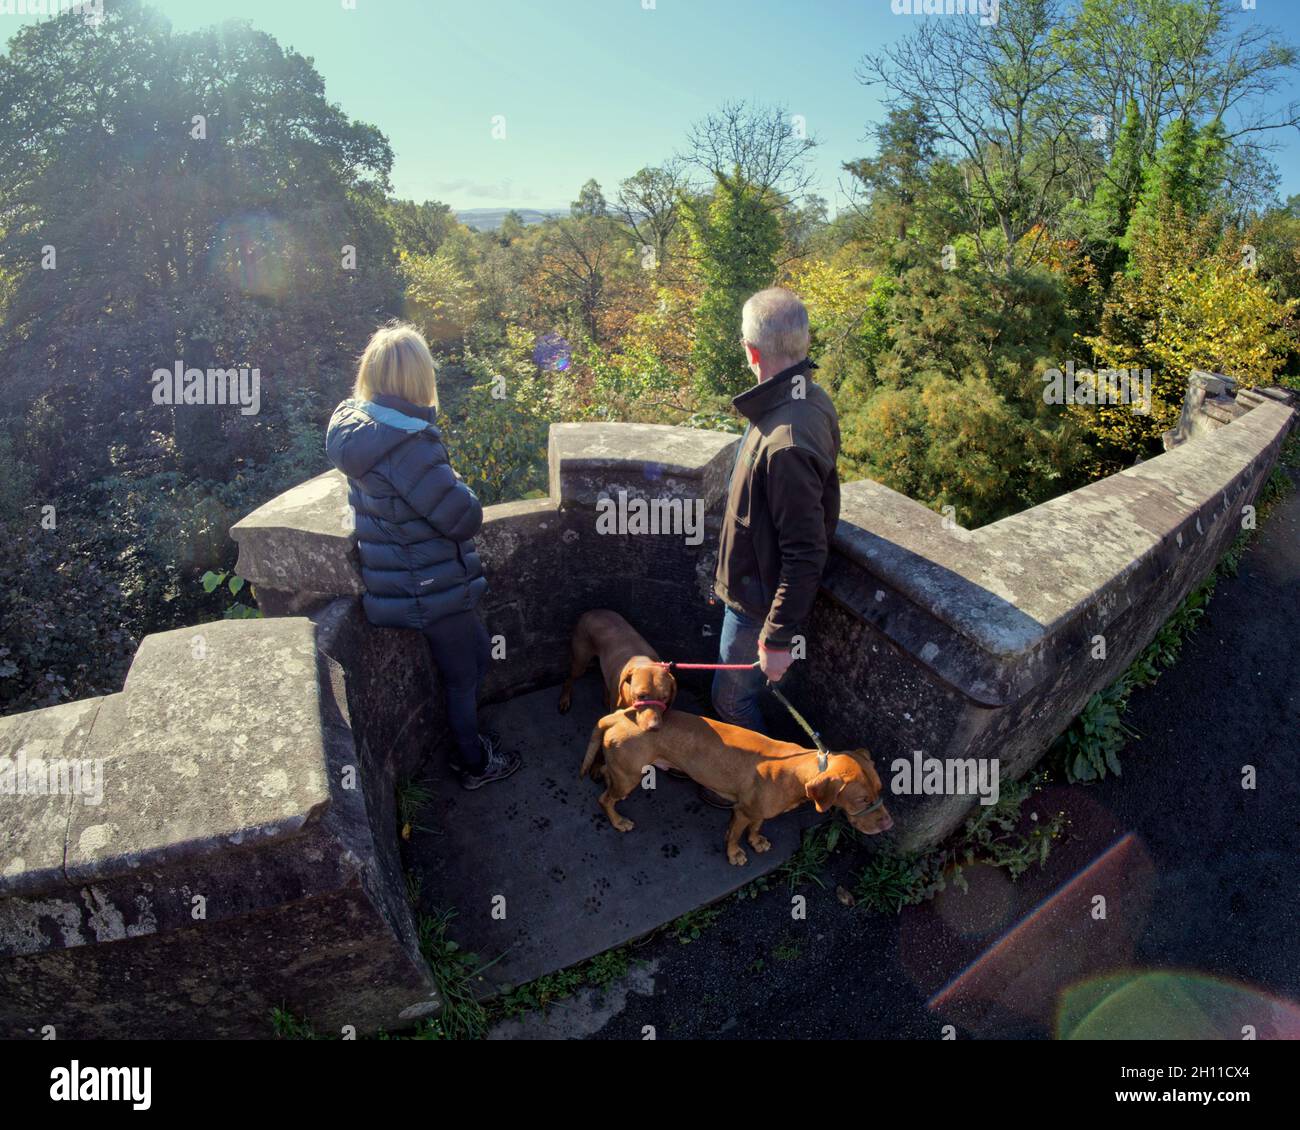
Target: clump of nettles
{"type": "Point", "coordinates": [994, 835]}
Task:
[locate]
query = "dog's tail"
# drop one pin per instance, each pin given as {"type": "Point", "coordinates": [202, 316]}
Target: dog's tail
{"type": "Point", "coordinates": [595, 751]}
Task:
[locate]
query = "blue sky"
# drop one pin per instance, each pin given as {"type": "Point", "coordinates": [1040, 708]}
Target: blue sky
{"type": "Point", "coordinates": [590, 88]}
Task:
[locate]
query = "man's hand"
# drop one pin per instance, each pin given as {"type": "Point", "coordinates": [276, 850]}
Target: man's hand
{"type": "Point", "coordinates": [774, 662]}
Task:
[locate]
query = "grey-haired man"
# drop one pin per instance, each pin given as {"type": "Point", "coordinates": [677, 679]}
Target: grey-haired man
{"type": "Point", "coordinates": [782, 505]}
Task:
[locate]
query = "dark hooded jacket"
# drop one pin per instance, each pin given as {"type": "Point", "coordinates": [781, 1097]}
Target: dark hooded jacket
{"type": "Point", "coordinates": [414, 517]}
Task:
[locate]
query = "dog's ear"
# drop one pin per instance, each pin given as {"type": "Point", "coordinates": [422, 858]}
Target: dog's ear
{"type": "Point", "coordinates": [863, 757]}
{"type": "Point", "coordinates": [625, 696]}
{"type": "Point", "coordinates": [823, 789]}
{"type": "Point", "coordinates": [672, 687]}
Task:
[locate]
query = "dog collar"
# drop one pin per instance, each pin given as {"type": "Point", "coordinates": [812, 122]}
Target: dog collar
{"type": "Point", "coordinates": [871, 807]}
{"type": "Point", "coordinates": [649, 702]}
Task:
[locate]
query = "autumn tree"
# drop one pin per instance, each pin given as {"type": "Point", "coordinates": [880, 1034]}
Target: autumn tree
{"type": "Point", "coordinates": [228, 190]}
{"type": "Point", "coordinates": [648, 204]}
{"type": "Point", "coordinates": [591, 203]}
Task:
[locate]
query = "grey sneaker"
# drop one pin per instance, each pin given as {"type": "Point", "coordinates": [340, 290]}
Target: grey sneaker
{"type": "Point", "coordinates": [500, 764]}
{"type": "Point", "coordinates": [453, 759]}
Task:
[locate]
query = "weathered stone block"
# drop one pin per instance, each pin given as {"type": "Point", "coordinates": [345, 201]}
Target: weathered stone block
{"type": "Point", "coordinates": [981, 642]}
{"type": "Point", "coordinates": [301, 541]}
{"type": "Point", "coordinates": [229, 860]}
{"type": "Point", "coordinates": [33, 826]}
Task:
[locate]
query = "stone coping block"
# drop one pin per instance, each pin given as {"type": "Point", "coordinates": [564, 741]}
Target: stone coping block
{"type": "Point", "coordinates": [33, 826]}
{"type": "Point", "coordinates": [238, 857]}
{"type": "Point", "coordinates": [192, 766]}
{"type": "Point", "coordinates": [185, 765]}
{"type": "Point", "coordinates": [1214, 384]}
{"type": "Point", "coordinates": [588, 460]}
{"type": "Point", "coordinates": [301, 541]}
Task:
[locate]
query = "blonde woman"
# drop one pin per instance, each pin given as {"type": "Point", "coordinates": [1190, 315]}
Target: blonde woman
{"type": "Point", "coordinates": [415, 519]}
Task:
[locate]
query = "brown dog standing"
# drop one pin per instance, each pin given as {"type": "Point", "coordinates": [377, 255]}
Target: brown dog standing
{"type": "Point", "coordinates": [630, 667]}
{"type": "Point", "coordinates": [763, 777]}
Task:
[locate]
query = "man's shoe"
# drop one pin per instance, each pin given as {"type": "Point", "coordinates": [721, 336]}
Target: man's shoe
{"type": "Point", "coordinates": [500, 764]}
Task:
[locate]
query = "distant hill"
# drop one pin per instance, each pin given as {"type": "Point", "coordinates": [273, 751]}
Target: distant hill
{"type": "Point", "coordinates": [489, 219]}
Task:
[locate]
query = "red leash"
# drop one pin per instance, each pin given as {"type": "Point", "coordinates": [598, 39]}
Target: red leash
{"type": "Point", "coordinates": [672, 665]}
{"type": "Point", "coordinates": [822, 752]}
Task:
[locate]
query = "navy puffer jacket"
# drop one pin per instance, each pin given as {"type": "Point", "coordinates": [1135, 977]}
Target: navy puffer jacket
{"type": "Point", "coordinates": [414, 518]}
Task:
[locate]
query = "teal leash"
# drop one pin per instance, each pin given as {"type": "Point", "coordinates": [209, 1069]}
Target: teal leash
{"type": "Point", "coordinates": [822, 752]}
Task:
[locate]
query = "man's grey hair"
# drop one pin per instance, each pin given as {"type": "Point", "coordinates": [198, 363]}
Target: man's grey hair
{"type": "Point", "coordinates": [775, 322]}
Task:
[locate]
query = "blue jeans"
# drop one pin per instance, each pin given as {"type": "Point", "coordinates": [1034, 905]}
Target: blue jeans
{"type": "Point", "coordinates": [737, 694]}
{"type": "Point", "coordinates": [461, 652]}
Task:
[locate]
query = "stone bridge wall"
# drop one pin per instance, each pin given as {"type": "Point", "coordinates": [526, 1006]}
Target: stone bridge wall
{"type": "Point", "coordinates": [251, 764]}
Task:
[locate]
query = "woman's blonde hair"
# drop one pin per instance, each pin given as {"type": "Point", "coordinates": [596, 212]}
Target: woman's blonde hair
{"type": "Point", "coordinates": [397, 361]}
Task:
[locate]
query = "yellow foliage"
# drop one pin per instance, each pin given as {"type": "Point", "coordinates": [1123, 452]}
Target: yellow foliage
{"type": "Point", "coordinates": [440, 300]}
{"type": "Point", "coordinates": [835, 294]}
{"type": "Point", "coordinates": [1187, 303]}
{"type": "Point", "coordinates": [948, 442]}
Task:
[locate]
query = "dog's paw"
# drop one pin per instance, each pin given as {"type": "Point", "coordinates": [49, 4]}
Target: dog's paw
{"type": "Point", "coordinates": [563, 705]}
{"type": "Point", "coordinates": [623, 824]}
{"type": "Point", "coordinates": [760, 843]}
{"type": "Point", "coordinates": [737, 857]}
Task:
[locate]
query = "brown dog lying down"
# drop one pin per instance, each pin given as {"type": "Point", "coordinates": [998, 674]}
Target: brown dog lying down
{"type": "Point", "coordinates": [629, 666]}
{"type": "Point", "coordinates": [763, 777]}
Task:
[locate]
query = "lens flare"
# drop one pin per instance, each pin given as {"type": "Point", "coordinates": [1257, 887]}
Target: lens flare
{"type": "Point", "coordinates": [983, 905]}
{"type": "Point", "coordinates": [1172, 1005]}
{"type": "Point", "coordinates": [552, 353]}
{"type": "Point", "coordinates": [253, 252]}
{"type": "Point", "coordinates": [1089, 925]}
